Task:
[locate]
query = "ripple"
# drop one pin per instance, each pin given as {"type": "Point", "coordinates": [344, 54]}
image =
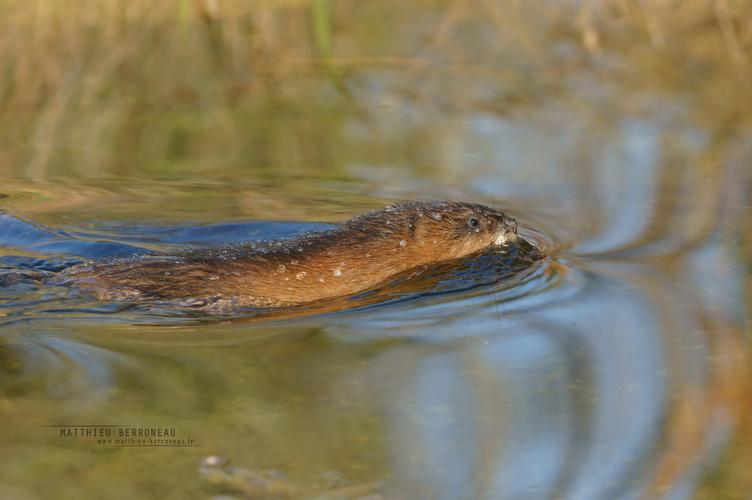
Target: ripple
{"type": "Point", "coordinates": [62, 366]}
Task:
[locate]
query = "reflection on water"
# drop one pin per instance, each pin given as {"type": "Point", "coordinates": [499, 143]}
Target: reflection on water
{"type": "Point", "coordinates": [617, 367]}
{"type": "Point", "coordinates": [590, 377]}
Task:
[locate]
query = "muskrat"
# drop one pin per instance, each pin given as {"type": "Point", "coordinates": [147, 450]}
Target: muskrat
{"type": "Point", "coordinates": [353, 257]}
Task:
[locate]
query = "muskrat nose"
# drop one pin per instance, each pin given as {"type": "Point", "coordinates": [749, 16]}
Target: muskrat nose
{"type": "Point", "coordinates": [507, 231]}
{"type": "Point", "coordinates": [511, 228]}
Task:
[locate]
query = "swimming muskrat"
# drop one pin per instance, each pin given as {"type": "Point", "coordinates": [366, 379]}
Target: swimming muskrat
{"type": "Point", "coordinates": [353, 257]}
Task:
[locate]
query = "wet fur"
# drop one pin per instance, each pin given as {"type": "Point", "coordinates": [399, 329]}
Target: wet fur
{"type": "Point", "coordinates": [356, 256]}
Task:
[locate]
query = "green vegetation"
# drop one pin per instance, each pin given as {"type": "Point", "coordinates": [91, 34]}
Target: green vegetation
{"type": "Point", "coordinates": [95, 88]}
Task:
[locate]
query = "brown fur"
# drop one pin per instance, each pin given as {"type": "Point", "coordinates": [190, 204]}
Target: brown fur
{"type": "Point", "coordinates": [356, 256]}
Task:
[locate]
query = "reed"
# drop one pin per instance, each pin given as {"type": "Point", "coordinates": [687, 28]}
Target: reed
{"type": "Point", "coordinates": [104, 87]}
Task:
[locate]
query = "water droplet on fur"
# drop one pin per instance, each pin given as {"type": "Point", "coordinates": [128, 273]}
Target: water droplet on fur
{"type": "Point", "coordinates": [338, 272]}
{"type": "Point", "coordinates": [300, 275]}
{"type": "Point", "coordinates": [281, 269]}
{"type": "Point", "coordinates": [436, 216]}
{"type": "Point", "coordinates": [321, 280]}
{"type": "Point", "coordinates": [403, 243]}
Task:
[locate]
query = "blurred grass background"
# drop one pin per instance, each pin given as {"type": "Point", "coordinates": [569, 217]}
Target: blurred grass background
{"type": "Point", "coordinates": [98, 88]}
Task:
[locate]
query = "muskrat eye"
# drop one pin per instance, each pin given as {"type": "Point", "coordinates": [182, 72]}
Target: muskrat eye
{"type": "Point", "coordinates": [473, 222]}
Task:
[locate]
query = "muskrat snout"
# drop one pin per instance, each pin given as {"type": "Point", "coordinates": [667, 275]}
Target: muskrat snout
{"type": "Point", "coordinates": [507, 232]}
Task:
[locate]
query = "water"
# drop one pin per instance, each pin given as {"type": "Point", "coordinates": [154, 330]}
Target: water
{"type": "Point", "coordinates": [590, 374]}
{"type": "Point", "coordinates": [618, 366]}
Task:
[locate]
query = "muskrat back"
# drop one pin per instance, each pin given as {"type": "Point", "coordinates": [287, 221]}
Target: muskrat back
{"type": "Point", "coordinates": [356, 256]}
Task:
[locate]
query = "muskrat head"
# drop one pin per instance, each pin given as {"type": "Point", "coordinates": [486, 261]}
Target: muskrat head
{"type": "Point", "coordinates": [465, 228]}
